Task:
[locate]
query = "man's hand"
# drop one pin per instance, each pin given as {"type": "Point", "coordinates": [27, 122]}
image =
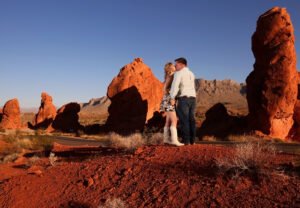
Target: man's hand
{"type": "Point", "coordinates": [172, 102]}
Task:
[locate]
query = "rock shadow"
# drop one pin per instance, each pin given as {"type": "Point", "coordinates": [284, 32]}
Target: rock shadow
{"type": "Point", "coordinates": [220, 124]}
{"type": "Point", "coordinates": [127, 112]}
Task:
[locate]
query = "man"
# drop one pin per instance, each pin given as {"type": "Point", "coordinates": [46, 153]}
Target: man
{"type": "Point", "coordinates": [183, 88]}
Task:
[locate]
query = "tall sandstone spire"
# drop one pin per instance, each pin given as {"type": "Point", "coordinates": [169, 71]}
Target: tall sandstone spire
{"type": "Point", "coordinates": [272, 85]}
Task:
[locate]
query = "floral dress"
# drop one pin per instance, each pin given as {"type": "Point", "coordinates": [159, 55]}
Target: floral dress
{"type": "Point", "coordinates": [165, 105]}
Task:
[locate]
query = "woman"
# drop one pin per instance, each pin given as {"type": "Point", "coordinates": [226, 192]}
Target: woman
{"type": "Point", "coordinates": [171, 118]}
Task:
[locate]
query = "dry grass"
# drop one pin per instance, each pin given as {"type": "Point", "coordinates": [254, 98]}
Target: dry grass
{"type": "Point", "coordinates": [33, 160]}
{"type": "Point", "coordinates": [135, 140]}
{"type": "Point", "coordinates": [155, 139]}
{"type": "Point", "coordinates": [130, 142]}
{"type": "Point", "coordinates": [243, 138]}
{"type": "Point", "coordinates": [251, 157]}
{"type": "Point", "coordinates": [114, 203]}
{"type": "Point", "coordinates": [251, 138]}
{"type": "Point", "coordinates": [20, 142]}
{"type": "Point", "coordinates": [209, 138]}
{"type": "Point", "coordinates": [9, 158]}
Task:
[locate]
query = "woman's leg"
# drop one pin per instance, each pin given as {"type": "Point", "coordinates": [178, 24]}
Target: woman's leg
{"type": "Point", "coordinates": [173, 118]}
{"type": "Point", "coordinates": [167, 129]}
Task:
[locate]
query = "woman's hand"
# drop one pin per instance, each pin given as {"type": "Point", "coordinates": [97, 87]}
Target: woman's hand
{"type": "Point", "coordinates": [172, 102]}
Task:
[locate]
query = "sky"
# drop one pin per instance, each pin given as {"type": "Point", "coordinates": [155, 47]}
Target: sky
{"type": "Point", "coordinates": [72, 49]}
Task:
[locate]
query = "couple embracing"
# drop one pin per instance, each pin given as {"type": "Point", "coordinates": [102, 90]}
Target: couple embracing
{"type": "Point", "coordinates": [179, 100]}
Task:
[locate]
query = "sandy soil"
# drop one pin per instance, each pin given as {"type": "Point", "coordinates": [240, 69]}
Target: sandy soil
{"type": "Point", "coordinates": [152, 176]}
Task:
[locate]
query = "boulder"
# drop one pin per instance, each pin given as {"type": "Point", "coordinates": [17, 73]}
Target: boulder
{"type": "Point", "coordinates": [46, 113]}
{"type": "Point", "coordinates": [135, 95]}
{"type": "Point", "coordinates": [11, 118]}
{"type": "Point", "coordinates": [66, 119]}
{"type": "Point", "coordinates": [272, 85]}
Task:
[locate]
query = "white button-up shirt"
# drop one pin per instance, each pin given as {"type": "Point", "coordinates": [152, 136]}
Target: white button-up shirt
{"type": "Point", "coordinates": [183, 84]}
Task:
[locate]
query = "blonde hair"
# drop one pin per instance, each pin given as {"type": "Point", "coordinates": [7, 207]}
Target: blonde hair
{"type": "Point", "coordinates": [169, 73]}
{"type": "Point", "coordinates": [169, 69]}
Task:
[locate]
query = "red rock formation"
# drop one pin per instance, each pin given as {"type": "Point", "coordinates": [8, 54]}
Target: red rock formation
{"type": "Point", "coordinates": [135, 95]}
{"type": "Point", "coordinates": [46, 114]}
{"type": "Point", "coordinates": [1, 113]}
{"type": "Point", "coordinates": [294, 133]}
{"type": "Point", "coordinates": [272, 85]}
{"type": "Point", "coordinates": [66, 119]}
{"type": "Point", "coordinates": [11, 118]}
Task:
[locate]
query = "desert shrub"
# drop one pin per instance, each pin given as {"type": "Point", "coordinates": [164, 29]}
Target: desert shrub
{"type": "Point", "coordinates": [52, 159]}
{"type": "Point", "coordinates": [10, 158]}
{"type": "Point", "coordinates": [251, 157]}
{"type": "Point", "coordinates": [18, 132]}
{"type": "Point", "coordinates": [2, 130]}
{"type": "Point", "coordinates": [32, 160]}
{"type": "Point", "coordinates": [114, 203]}
{"type": "Point", "coordinates": [155, 139]}
{"type": "Point", "coordinates": [10, 138]}
{"type": "Point", "coordinates": [130, 142]}
{"type": "Point", "coordinates": [243, 138]}
{"type": "Point", "coordinates": [278, 140]}
{"type": "Point", "coordinates": [18, 141]}
{"type": "Point", "coordinates": [42, 142]}
{"type": "Point", "coordinates": [209, 138]}
{"type": "Point", "coordinates": [39, 132]}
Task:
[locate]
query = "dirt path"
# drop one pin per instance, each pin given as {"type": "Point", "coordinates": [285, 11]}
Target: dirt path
{"type": "Point", "coordinates": [291, 148]}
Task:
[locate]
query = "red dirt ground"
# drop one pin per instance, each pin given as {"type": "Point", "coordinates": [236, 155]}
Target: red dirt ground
{"type": "Point", "coordinates": [153, 176]}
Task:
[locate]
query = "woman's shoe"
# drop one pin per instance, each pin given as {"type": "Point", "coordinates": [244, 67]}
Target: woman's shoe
{"type": "Point", "coordinates": [166, 135]}
{"type": "Point", "coordinates": [174, 139]}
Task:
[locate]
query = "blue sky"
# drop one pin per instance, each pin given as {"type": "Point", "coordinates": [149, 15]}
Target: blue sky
{"type": "Point", "coordinates": [72, 49]}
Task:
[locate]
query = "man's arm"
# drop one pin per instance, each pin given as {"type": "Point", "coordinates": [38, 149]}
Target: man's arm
{"type": "Point", "coordinates": [175, 85]}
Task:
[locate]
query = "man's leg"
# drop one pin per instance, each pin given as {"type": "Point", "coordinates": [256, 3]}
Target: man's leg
{"type": "Point", "coordinates": [182, 111]}
{"type": "Point", "coordinates": [192, 123]}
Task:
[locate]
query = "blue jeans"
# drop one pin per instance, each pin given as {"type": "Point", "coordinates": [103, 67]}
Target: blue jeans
{"type": "Point", "coordinates": [186, 113]}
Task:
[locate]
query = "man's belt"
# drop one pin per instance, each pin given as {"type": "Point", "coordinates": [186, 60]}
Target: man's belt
{"type": "Point", "coordinates": [186, 97]}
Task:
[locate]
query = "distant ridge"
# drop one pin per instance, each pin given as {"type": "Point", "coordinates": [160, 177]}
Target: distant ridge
{"type": "Point", "coordinates": [209, 92]}
{"type": "Point", "coordinates": [29, 110]}
{"type": "Point", "coordinates": [96, 105]}
{"type": "Point", "coordinates": [228, 92]}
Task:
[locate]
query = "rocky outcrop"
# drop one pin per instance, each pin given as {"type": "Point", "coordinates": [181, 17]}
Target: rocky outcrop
{"type": "Point", "coordinates": [135, 95]}
{"type": "Point", "coordinates": [11, 118]}
{"type": "Point", "coordinates": [66, 119]}
{"type": "Point", "coordinates": [272, 85]}
{"type": "Point", "coordinates": [46, 113]}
